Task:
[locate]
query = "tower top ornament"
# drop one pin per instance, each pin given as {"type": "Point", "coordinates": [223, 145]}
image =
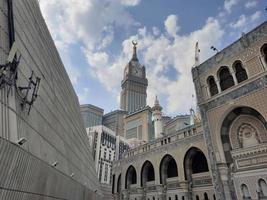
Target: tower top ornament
{"type": "Point", "coordinates": [134, 58]}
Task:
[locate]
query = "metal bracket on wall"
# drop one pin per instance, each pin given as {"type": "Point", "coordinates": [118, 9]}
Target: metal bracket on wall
{"type": "Point", "coordinates": [28, 94]}
{"type": "Point", "coordinates": [8, 71]}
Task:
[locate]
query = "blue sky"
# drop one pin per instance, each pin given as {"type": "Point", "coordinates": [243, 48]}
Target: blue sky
{"type": "Point", "coordinates": [94, 40]}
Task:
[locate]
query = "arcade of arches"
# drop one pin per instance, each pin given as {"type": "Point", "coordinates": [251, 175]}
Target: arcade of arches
{"type": "Point", "coordinates": [159, 179]}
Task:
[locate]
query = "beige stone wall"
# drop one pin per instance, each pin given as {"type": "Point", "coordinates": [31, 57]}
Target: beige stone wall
{"type": "Point", "coordinates": [251, 59]}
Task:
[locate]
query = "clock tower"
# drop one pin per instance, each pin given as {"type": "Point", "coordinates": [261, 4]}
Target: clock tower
{"type": "Point", "coordinates": [134, 85]}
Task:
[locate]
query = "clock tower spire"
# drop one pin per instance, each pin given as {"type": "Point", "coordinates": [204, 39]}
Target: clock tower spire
{"type": "Point", "coordinates": [134, 84]}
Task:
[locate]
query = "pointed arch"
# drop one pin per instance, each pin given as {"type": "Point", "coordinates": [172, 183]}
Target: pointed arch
{"type": "Point", "coordinates": [147, 173]}
{"type": "Point", "coordinates": [225, 77]}
{"type": "Point", "coordinates": [264, 52]}
{"type": "Point", "coordinates": [195, 162]}
{"type": "Point", "coordinates": [240, 71]}
{"type": "Point", "coordinates": [263, 188]}
{"type": "Point", "coordinates": [119, 184]}
{"type": "Point", "coordinates": [168, 168]}
{"type": "Point", "coordinates": [245, 191]}
{"type": "Point", "coordinates": [130, 177]}
{"type": "Point", "coordinates": [227, 124]}
{"type": "Point", "coordinates": [212, 85]}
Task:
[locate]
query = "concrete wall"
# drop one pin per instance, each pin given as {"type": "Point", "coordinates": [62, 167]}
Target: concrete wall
{"type": "Point", "coordinates": [54, 129]}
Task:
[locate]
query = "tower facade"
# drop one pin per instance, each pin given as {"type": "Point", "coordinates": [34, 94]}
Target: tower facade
{"type": "Point", "coordinates": [134, 85]}
{"type": "Point", "coordinates": [157, 118]}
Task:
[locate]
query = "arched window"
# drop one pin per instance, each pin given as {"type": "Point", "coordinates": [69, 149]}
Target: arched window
{"type": "Point", "coordinates": [147, 173]}
{"type": "Point", "coordinates": [197, 197]}
{"type": "Point", "coordinates": [130, 177]}
{"type": "Point", "coordinates": [194, 162]}
{"type": "Point", "coordinates": [113, 183]}
{"type": "Point", "coordinates": [176, 197]}
{"type": "Point", "coordinates": [264, 52]}
{"type": "Point", "coordinates": [214, 197]}
{"type": "Point", "coordinates": [212, 86]}
{"type": "Point", "coordinates": [262, 188]}
{"type": "Point", "coordinates": [206, 197]}
{"type": "Point", "coordinates": [119, 184]}
{"type": "Point", "coordinates": [168, 168]}
{"type": "Point", "coordinates": [245, 192]}
{"type": "Point", "coordinates": [240, 72]}
{"type": "Point", "coordinates": [226, 79]}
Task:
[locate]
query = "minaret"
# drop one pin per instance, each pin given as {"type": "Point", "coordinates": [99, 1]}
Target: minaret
{"type": "Point", "coordinates": [157, 118]}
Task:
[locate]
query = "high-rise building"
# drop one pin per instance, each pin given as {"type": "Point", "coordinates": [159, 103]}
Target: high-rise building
{"type": "Point", "coordinates": [114, 121]}
{"type": "Point", "coordinates": [134, 85]}
{"type": "Point", "coordinates": [106, 148]}
{"type": "Point", "coordinates": [92, 115]}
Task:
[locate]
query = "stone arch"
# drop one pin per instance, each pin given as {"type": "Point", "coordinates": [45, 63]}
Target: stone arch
{"type": "Point", "coordinates": [240, 71]}
{"type": "Point", "coordinates": [130, 177]}
{"type": "Point", "coordinates": [213, 89]}
{"type": "Point", "coordinates": [195, 162]}
{"type": "Point", "coordinates": [262, 188]}
{"type": "Point", "coordinates": [264, 52]}
{"type": "Point", "coordinates": [242, 114]}
{"type": "Point", "coordinates": [206, 197]}
{"type": "Point", "coordinates": [168, 168]}
{"type": "Point", "coordinates": [119, 184]}
{"type": "Point", "coordinates": [225, 77]}
{"type": "Point", "coordinates": [147, 173]}
{"type": "Point", "coordinates": [113, 183]}
{"type": "Point", "coordinates": [245, 192]}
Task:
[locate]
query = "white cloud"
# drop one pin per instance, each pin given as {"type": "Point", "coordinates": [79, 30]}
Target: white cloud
{"type": "Point", "coordinates": [255, 16]}
{"type": "Point", "coordinates": [229, 4]}
{"type": "Point", "coordinates": [171, 25]}
{"type": "Point", "coordinates": [130, 2]}
{"type": "Point", "coordinates": [251, 4]}
{"type": "Point", "coordinates": [90, 22]}
{"type": "Point", "coordinates": [241, 22]}
{"type": "Point", "coordinates": [84, 95]}
{"type": "Point", "coordinates": [245, 22]}
{"type": "Point", "coordinates": [158, 52]}
{"type": "Point", "coordinates": [93, 23]}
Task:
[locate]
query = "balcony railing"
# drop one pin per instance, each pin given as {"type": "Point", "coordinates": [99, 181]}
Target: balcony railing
{"type": "Point", "coordinates": [179, 135]}
{"type": "Point", "coordinates": [201, 179]}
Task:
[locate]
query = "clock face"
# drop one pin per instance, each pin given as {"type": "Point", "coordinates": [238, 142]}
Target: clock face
{"type": "Point", "coordinates": [137, 72]}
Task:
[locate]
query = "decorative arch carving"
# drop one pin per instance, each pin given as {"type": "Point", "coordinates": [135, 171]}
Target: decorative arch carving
{"type": "Point", "coordinates": [244, 125]}
{"type": "Point", "coordinates": [233, 121]}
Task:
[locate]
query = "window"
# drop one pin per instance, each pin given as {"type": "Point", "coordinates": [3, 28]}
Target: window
{"type": "Point", "coordinates": [226, 79]}
{"type": "Point", "coordinates": [206, 196]}
{"type": "Point", "coordinates": [176, 197]}
{"type": "Point", "coordinates": [264, 52]}
{"type": "Point", "coordinates": [197, 197]}
{"type": "Point", "coordinates": [213, 89]}
{"type": "Point", "coordinates": [240, 72]}
{"type": "Point", "coordinates": [244, 189]}
{"type": "Point", "coordinates": [263, 188]}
